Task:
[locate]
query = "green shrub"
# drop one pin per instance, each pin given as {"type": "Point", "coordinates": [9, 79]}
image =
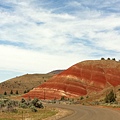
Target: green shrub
{"type": "Point", "coordinates": [25, 91]}
{"type": "Point", "coordinates": [5, 93]}
{"type": "Point", "coordinates": [62, 98]}
{"type": "Point", "coordinates": [23, 105]}
{"type": "Point", "coordinates": [102, 58]}
{"type": "Point", "coordinates": [39, 105]}
{"type": "Point", "coordinates": [81, 98]}
{"type": "Point", "coordinates": [11, 92]}
{"type": "Point", "coordinates": [113, 59]}
{"type": "Point", "coordinates": [34, 101]}
{"type": "Point", "coordinates": [110, 97]}
{"type": "Point", "coordinates": [23, 100]}
{"type": "Point", "coordinates": [2, 104]}
{"type": "Point", "coordinates": [17, 92]}
{"type": "Point", "coordinates": [33, 109]}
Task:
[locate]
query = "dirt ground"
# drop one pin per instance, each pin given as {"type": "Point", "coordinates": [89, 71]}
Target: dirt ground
{"type": "Point", "coordinates": [61, 113]}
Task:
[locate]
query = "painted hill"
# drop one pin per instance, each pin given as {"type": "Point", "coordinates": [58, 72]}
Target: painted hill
{"type": "Point", "coordinates": [25, 82]}
{"type": "Point", "coordinates": [81, 79]}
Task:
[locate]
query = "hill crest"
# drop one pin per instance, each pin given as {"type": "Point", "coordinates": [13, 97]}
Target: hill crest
{"type": "Point", "coordinates": [25, 82]}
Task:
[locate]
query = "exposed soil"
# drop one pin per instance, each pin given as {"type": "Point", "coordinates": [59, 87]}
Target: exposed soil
{"type": "Point", "coordinates": [82, 79]}
{"type": "Point", "coordinates": [25, 82]}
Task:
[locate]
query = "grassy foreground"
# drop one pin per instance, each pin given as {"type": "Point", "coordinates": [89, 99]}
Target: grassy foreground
{"type": "Point", "coordinates": [27, 114]}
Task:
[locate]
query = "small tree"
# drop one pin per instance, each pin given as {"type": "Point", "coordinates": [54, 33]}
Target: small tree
{"type": "Point", "coordinates": [25, 91]}
{"type": "Point", "coordinates": [110, 97]}
{"type": "Point", "coordinates": [62, 98]}
{"type": "Point", "coordinates": [17, 92]}
{"type": "Point", "coordinates": [5, 93]}
{"type": "Point", "coordinates": [23, 100]}
{"type": "Point", "coordinates": [102, 58]}
{"type": "Point", "coordinates": [113, 59]}
{"type": "Point", "coordinates": [11, 92]}
{"type": "Point", "coordinates": [81, 98]}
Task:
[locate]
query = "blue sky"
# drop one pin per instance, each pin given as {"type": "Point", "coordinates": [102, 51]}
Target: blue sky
{"type": "Point", "coordinates": [38, 36]}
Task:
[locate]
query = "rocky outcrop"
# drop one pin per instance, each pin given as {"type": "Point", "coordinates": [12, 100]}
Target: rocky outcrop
{"type": "Point", "coordinates": [81, 79]}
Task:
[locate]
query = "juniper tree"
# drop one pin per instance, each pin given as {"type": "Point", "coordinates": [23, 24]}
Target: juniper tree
{"type": "Point", "coordinates": [111, 97]}
{"type": "Point", "coordinates": [5, 93]}
{"type": "Point", "coordinates": [11, 92]}
{"type": "Point", "coordinates": [17, 92]}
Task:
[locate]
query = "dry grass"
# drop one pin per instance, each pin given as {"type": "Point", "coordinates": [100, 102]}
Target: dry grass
{"type": "Point", "coordinates": [25, 82]}
{"type": "Point", "coordinates": [22, 83]}
{"type": "Point", "coordinates": [26, 114]}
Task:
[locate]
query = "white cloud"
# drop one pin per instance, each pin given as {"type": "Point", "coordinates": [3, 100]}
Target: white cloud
{"type": "Point", "coordinates": [16, 59]}
{"type": "Point", "coordinates": [52, 40]}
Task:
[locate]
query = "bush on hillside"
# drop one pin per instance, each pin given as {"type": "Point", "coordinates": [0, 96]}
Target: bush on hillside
{"type": "Point", "coordinates": [81, 98]}
{"type": "Point", "coordinates": [5, 93]}
{"type": "Point", "coordinates": [62, 98]}
{"type": "Point", "coordinates": [11, 106]}
{"type": "Point", "coordinates": [110, 97]}
{"type": "Point", "coordinates": [102, 58]}
{"type": "Point", "coordinates": [33, 109]}
{"type": "Point", "coordinates": [37, 103]}
{"type": "Point", "coordinates": [22, 100]}
{"type": "Point", "coordinates": [113, 59]}
{"type": "Point", "coordinates": [11, 92]}
{"type": "Point", "coordinates": [16, 92]}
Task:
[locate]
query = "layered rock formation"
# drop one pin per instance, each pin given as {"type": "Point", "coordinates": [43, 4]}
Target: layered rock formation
{"type": "Point", "coordinates": [81, 79]}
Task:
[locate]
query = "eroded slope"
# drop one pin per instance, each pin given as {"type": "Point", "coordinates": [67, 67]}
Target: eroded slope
{"type": "Point", "coordinates": [83, 78]}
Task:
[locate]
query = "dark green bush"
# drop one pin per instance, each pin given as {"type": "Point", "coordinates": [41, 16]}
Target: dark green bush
{"type": "Point", "coordinates": [25, 91]}
{"type": "Point", "coordinates": [81, 98]}
{"type": "Point", "coordinates": [23, 100]}
{"type": "Point", "coordinates": [108, 58]}
{"type": "Point", "coordinates": [62, 98]}
{"type": "Point", "coordinates": [39, 105]}
{"type": "Point", "coordinates": [17, 92]}
{"type": "Point", "coordinates": [11, 92]}
{"type": "Point", "coordinates": [23, 105]}
{"type": "Point", "coordinates": [113, 59]}
{"type": "Point", "coordinates": [5, 93]}
{"type": "Point", "coordinates": [111, 97]}
{"type": "Point", "coordinates": [34, 101]}
{"type": "Point", "coordinates": [102, 58]}
{"type": "Point", "coordinates": [33, 109]}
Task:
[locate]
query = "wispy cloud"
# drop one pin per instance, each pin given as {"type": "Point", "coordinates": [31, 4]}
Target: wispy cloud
{"type": "Point", "coordinates": [39, 36]}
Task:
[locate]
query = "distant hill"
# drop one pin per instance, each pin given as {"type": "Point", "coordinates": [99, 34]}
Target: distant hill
{"type": "Point", "coordinates": [25, 82]}
{"type": "Point", "coordinates": [89, 77]}
{"type": "Point", "coordinates": [55, 71]}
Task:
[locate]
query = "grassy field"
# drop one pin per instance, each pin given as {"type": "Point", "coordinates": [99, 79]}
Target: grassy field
{"type": "Point", "coordinates": [26, 114]}
{"type": "Point", "coordinates": [12, 109]}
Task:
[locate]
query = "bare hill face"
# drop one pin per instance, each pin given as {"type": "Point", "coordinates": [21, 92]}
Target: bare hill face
{"type": "Point", "coordinates": [81, 79]}
{"type": "Point", "coordinates": [25, 82]}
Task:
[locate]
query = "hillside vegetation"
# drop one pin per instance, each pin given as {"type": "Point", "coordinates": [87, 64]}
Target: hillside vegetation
{"type": "Point", "coordinates": [24, 83]}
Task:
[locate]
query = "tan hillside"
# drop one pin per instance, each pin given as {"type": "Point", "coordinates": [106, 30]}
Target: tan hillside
{"type": "Point", "coordinates": [25, 82]}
